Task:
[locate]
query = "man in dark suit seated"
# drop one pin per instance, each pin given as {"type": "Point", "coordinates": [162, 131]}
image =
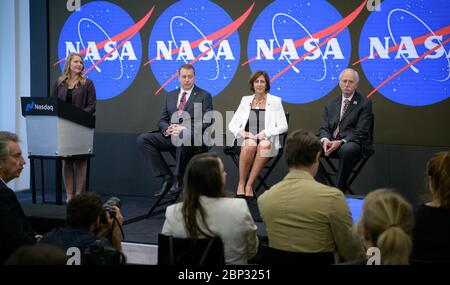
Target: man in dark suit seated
{"type": "Point", "coordinates": [15, 230]}
{"type": "Point", "coordinates": [180, 130]}
{"type": "Point", "coordinates": [345, 127]}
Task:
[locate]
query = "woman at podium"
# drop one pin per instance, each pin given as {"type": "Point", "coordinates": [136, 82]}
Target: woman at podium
{"type": "Point", "coordinates": [74, 88]}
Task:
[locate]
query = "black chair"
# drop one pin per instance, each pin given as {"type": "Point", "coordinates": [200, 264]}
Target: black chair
{"type": "Point", "coordinates": [273, 256]}
{"type": "Point", "coordinates": [166, 198]}
{"type": "Point", "coordinates": [329, 167]}
{"type": "Point", "coordinates": [235, 150]}
{"type": "Point", "coordinates": [186, 251]}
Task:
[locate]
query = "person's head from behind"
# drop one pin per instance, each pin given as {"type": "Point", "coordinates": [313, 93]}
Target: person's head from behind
{"type": "Point", "coordinates": [38, 254]}
{"type": "Point", "coordinates": [259, 82]}
{"type": "Point", "coordinates": [84, 211]}
{"type": "Point", "coordinates": [386, 223]}
{"type": "Point", "coordinates": [186, 76]}
{"type": "Point", "coordinates": [302, 151]}
{"type": "Point", "coordinates": [204, 175]}
{"type": "Point", "coordinates": [438, 174]}
{"type": "Point", "coordinates": [11, 159]}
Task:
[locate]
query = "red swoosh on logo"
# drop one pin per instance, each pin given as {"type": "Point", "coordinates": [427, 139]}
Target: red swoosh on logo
{"type": "Point", "coordinates": [221, 34]}
{"type": "Point", "coordinates": [417, 41]}
{"type": "Point", "coordinates": [127, 34]}
{"type": "Point", "coordinates": [341, 25]}
{"type": "Point", "coordinates": [331, 30]}
{"type": "Point", "coordinates": [406, 67]}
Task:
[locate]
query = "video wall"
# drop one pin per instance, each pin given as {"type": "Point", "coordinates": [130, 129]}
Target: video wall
{"type": "Point", "coordinates": [132, 50]}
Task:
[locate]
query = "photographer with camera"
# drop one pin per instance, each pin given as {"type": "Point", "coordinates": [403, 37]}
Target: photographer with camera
{"type": "Point", "coordinates": [87, 221]}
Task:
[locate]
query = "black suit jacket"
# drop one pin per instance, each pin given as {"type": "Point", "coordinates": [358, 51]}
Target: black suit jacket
{"type": "Point", "coordinates": [356, 123]}
{"type": "Point", "coordinates": [15, 230]}
{"type": "Point", "coordinates": [198, 95]}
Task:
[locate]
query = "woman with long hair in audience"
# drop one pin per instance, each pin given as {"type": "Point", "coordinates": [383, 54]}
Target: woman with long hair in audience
{"type": "Point", "coordinates": [208, 210]}
{"type": "Point", "coordinates": [386, 223]}
{"type": "Point", "coordinates": [431, 234]}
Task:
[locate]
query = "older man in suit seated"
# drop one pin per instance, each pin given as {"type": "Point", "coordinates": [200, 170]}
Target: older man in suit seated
{"type": "Point", "coordinates": [345, 128]}
{"type": "Point", "coordinates": [15, 230]}
{"type": "Point", "coordinates": [180, 129]}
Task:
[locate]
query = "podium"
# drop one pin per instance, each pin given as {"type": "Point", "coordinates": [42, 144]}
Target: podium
{"type": "Point", "coordinates": [56, 130]}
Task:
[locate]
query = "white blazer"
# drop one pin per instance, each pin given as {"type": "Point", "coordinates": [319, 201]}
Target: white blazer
{"type": "Point", "coordinates": [229, 218]}
{"type": "Point", "coordinates": [275, 118]}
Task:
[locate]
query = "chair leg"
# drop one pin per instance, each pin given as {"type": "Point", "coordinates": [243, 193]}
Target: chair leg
{"type": "Point", "coordinates": [158, 202]}
{"type": "Point", "coordinates": [325, 173]}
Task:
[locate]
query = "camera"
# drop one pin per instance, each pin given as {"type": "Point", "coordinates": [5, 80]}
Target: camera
{"type": "Point", "coordinates": [109, 207]}
{"type": "Point", "coordinates": [100, 254]}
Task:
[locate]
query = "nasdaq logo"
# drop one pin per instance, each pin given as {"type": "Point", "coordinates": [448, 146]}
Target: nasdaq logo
{"type": "Point", "coordinates": [109, 41]}
{"type": "Point", "coordinates": [200, 33]}
{"type": "Point", "coordinates": [404, 51]}
{"type": "Point", "coordinates": [29, 106]}
{"type": "Point", "coordinates": [303, 45]}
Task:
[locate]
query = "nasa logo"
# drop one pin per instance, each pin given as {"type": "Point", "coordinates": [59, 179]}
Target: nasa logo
{"type": "Point", "coordinates": [302, 49]}
{"type": "Point", "coordinates": [404, 54]}
{"type": "Point", "coordinates": [109, 42]}
{"type": "Point", "coordinates": [196, 32]}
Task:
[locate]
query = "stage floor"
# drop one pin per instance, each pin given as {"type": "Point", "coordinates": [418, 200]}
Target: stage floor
{"type": "Point", "coordinates": [146, 231]}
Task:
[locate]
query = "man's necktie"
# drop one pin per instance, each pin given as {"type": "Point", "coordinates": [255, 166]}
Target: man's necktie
{"type": "Point", "coordinates": [182, 102]}
{"type": "Point", "coordinates": [336, 131]}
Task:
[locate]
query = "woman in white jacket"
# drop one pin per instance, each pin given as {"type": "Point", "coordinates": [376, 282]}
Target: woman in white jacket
{"type": "Point", "coordinates": [257, 124]}
{"type": "Point", "coordinates": [208, 210]}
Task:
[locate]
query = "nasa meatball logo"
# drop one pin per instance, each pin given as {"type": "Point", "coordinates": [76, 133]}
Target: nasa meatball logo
{"type": "Point", "coordinates": [303, 45]}
{"type": "Point", "coordinates": [200, 33]}
{"type": "Point", "coordinates": [109, 42]}
{"type": "Point", "coordinates": [404, 51]}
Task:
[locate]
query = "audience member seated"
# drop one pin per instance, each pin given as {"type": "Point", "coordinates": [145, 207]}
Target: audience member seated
{"type": "Point", "coordinates": [39, 254]}
{"type": "Point", "coordinates": [386, 223]}
{"type": "Point", "coordinates": [207, 210]}
{"type": "Point", "coordinates": [15, 230]}
{"type": "Point", "coordinates": [258, 122]}
{"type": "Point", "coordinates": [302, 215]}
{"type": "Point", "coordinates": [431, 233]}
{"type": "Point", "coordinates": [86, 222]}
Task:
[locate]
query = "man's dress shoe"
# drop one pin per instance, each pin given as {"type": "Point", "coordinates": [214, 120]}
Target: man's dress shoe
{"type": "Point", "coordinates": [166, 186]}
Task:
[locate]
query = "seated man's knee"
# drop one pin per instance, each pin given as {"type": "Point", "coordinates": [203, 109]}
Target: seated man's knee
{"type": "Point", "coordinates": [349, 149]}
{"type": "Point", "coordinates": [140, 140]}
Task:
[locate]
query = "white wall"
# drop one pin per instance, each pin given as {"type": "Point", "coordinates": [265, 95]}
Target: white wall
{"type": "Point", "coordinates": [15, 74]}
